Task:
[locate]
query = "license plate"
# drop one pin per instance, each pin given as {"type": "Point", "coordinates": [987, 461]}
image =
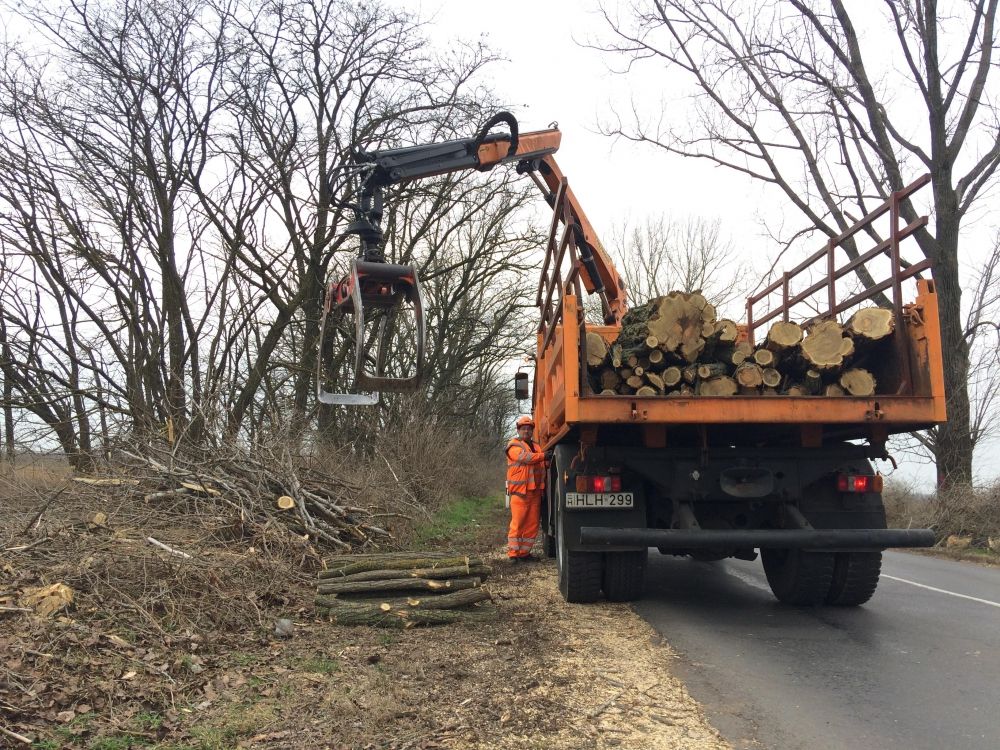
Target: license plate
{"type": "Point", "coordinates": [599, 500]}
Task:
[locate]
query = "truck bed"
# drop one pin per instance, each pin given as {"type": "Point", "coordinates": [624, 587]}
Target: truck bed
{"type": "Point", "coordinates": [911, 376]}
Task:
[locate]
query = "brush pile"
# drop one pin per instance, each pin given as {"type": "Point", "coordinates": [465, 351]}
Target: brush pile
{"type": "Point", "coordinates": [402, 590]}
{"type": "Point", "coordinates": [674, 346]}
{"type": "Point", "coordinates": [255, 485]}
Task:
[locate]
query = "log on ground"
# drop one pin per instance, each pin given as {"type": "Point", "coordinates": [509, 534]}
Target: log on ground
{"type": "Point", "coordinates": [405, 618]}
{"type": "Point", "coordinates": [397, 584]}
{"type": "Point", "coordinates": [458, 571]}
{"type": "Point", "coordinates": [453, 600]}
{"type": "Point", "coordinates": [348, 564]}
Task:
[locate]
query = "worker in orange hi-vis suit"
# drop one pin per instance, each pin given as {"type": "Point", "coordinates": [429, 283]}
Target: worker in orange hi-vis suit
{"type": "Point", "coordinates": [525, 485]}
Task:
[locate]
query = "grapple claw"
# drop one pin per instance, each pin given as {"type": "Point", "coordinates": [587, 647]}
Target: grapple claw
{"type": "Point", "coordinates": [385, 288]}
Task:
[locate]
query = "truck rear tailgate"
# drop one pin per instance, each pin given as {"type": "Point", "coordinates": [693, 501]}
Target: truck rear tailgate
{"type": "Point", "coordinates": [896, 411]}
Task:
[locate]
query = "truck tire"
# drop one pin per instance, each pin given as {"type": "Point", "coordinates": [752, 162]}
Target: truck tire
{"type": "Point", "coordinates": [624, 575]}
{"type": "Point", "coordinates": [856, 574]}
{"type": "Point", "coordinates": [579, 572]}
{"type": "Point", "coordinates": [855, 578]}
{"type": "Point", "coordinates": [799, 577]}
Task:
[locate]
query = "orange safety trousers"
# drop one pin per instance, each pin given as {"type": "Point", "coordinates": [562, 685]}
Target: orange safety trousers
{"type": "Point", "coordinates": [525, 513]}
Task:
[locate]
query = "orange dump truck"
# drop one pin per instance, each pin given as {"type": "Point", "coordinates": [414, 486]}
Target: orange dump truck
{"type": "Point", "coordinates": [715, 477]}
{"type": "Point", "coordinates": [707, 476]}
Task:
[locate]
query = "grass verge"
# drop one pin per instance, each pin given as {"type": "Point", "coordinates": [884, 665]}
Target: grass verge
{"type": "Point", "coordinates": [463, 522]}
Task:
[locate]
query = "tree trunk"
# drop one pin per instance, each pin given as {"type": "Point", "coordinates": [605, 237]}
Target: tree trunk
{"type": "Point", "coordinates": [6, 401]}
{"type": "Point", "coordinates": [953, 444]}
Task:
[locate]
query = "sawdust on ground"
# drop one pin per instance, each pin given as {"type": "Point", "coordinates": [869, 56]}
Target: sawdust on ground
{"type": "Point", "coordinates": [545, 674]}
{"type": "Point", "coordinates": [159, 651]}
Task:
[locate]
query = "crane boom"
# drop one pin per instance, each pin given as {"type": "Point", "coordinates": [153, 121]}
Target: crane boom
{"type": "Point", "coordinates": [533, 154]}
{"type": "Point", "coordinates": [385, 289]}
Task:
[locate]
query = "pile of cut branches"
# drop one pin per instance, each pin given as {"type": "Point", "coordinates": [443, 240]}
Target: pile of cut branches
{"type": "Point", "coordinates": [675, 346]}
{"type": "Point", "coordinates": [401, 590]}
{"type": "Point", "coordinates": [256, 485]}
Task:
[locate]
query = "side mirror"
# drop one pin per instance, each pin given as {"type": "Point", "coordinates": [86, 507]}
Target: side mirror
{"type": "Point", "coordinates": [522, 389]}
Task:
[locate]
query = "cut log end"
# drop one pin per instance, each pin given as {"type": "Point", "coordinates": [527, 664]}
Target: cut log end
{"type": "Point", "coordinates": [871, 324]}
{"type": "Point", "coordinates": [720, 385]}
{"type": "Point", "coordinates": [857, 382]}
{"type": "Point", "coordinates": [597, 350]}
{"type": "Point", "coordinates": [783, 335]}
{"type": "Point", "coordinates": [825, 348]}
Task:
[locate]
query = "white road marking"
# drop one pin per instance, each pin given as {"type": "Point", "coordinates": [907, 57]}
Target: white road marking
{"type": "Point", "coordinates": [942, 591]}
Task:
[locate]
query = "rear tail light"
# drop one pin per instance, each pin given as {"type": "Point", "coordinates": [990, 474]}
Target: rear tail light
{"type": "Point", "coordinates": [859, 483]}
{"type": "Point", "coordinates": [609, 483]}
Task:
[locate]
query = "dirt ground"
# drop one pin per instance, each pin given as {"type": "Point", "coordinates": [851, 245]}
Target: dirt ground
{"type": "Point", "coordinates": [156, 650]}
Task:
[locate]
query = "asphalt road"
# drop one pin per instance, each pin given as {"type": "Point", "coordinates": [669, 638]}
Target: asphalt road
{"type": "Point", "coordinates": [917, 667]}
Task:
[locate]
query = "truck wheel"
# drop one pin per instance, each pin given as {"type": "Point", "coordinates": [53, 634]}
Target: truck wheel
{"type": "Point", "coordinates": [855, 578]}
{"type": "Point", "coordinates": [855, 574]}
{"type": "Point", "coordinates": [624, 575]}
{"type": "Point", "coordinates": [579, 572]}
{"type": "Point", "coordinates": [799, 577]}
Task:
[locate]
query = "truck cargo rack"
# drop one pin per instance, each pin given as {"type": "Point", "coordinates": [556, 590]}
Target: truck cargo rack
{"type": "Point", "coordinates": [900, 271]}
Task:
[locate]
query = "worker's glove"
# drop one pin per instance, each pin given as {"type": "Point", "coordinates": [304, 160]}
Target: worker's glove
{"type": "Point", "coordinates": [549, 454]}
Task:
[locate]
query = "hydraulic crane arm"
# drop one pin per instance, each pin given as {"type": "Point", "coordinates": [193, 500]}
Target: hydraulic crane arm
{"type": "Point", "coordinates": [374, 285]}
{"type": "Point", "coordinates": [531, 152]}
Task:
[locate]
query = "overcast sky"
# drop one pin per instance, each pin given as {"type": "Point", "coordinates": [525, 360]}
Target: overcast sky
{"type": "Point", "coordinates": [549, 77]}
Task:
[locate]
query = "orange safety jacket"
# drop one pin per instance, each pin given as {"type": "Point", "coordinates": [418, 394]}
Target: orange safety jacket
{"type": "Point", "coordinates": [525, 467]}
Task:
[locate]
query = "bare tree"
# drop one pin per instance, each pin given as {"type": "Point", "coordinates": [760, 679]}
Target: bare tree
{"type": "Point", "coordinates": [798, 95]}
{"type": "Point", "coordinates": [166, 224]}
{"type": "Point", "coordinates": [690, 254]}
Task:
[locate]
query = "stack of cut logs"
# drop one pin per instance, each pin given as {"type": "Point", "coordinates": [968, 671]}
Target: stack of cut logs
{"type": "Point", "coordinates": [401, 590]}
{"type": "Point", "coordinates": [674, 346]}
